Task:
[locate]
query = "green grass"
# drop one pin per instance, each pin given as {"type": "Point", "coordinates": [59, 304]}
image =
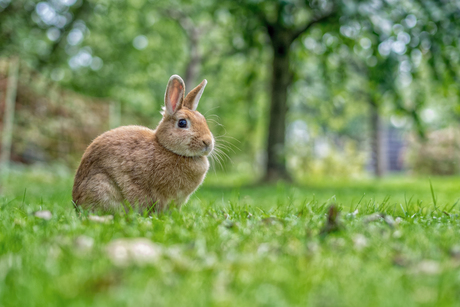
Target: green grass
{"type": "Point", "coordinates": [235, 244]}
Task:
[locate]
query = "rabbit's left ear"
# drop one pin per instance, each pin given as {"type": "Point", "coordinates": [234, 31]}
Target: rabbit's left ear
{"type": "Point", "coordinates": [193, 98]}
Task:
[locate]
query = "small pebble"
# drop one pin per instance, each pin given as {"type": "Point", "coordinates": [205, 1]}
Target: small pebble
{"type": "Point", "coordinates": [84, 243]}
{"type": "Point", "coordinates": [389, 220]}
{"type": "Point", "coordinates": [45, 214]}
{"type": "Point", "coordinates": [360, 241]}
{"type": "Point", "coordinates": [137, 250]}
{"type": "Point", "coordinates": [429, 267]}
{"type": "Point", "coordinates": [100, 219]}
{"type": "Point", "coordinates": [372, 217]}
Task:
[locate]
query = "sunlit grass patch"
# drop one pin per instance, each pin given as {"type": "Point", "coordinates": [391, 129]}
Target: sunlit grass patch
{"type": "Point", "coordinates": [237, 244]}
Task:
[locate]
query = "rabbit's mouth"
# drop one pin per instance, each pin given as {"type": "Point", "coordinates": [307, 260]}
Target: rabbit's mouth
{"type": "Point", "coordinates": [208, 146]}
{"type": "Point", "coordinates": [195, 153]}
{"type": "Point", "coordinates": [207, 150]}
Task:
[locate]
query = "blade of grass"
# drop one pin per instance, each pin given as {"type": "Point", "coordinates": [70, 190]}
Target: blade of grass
{"type": "Point", "coordinates": [453, 206]}
{"type": "Point", "coordinates": [24, 196]}
{"type": "Point", "coordinates": [433, 196]}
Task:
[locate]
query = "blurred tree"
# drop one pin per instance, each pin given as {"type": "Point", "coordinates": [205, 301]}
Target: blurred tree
{"type": "Point", "coordinates": [36, 31]}
{"type": "Point", "coordinates": [283, 22]}
{"type": "Point", "coordinates": [393, 57]}
{"type": "Point", "coordinates": [380, 57]}
{"type": "Point", "coordinates": [31, 32]}
{"type": "Point", "coordinates": [439, 31]}
{"type": "Point", "coordinates": [389, 41]}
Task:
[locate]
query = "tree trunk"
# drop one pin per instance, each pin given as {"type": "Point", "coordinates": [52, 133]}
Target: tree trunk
{"type": "Point", "coordinates": [193, 66]}
{"type": "Point", "coordinates": [281, 78]}
{"type": "Point", "coordinates": [281, 37]}
{"type": "Point", "coordinates": [8, 116]}
{"type": "Point", "coordinates": [377, 142]}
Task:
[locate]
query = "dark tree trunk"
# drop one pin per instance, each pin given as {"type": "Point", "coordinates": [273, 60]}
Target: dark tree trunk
{"type": "Point", "coordinates": [281, 79]}
{"type": "Point", "coordinates": [377, 142]}
{"type": "Point", "coordinates": [281, 37]}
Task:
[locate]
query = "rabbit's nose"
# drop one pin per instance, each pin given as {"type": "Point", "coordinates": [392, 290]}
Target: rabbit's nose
{"type": "Point", "coordinates": [207, 142]}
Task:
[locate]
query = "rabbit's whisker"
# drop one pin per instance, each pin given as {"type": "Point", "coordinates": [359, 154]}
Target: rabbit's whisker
{"type": "Point", "coordinates": [216, 157]}
{"type": "Point", "coordinates": [219, 151]}
{"type": "Point", "coordinates": [227, 136]}
{"type": "Point", "coordinates": [215, 122]}
{"type": "Point", "coordinates": [225, 147]}
{"type": "Point", "coordinates": [216, 107]}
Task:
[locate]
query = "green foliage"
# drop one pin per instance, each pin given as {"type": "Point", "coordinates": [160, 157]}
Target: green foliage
{"type": "Point", "coordinates": [438, 154]}
{"type": "Point", "coordinates": [401, 56]}
{"type": "Point", "coordinates": [323, 159]}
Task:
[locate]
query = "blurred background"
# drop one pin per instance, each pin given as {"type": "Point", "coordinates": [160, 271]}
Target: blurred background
{"type": "Point", "coordinates": [296, 89]}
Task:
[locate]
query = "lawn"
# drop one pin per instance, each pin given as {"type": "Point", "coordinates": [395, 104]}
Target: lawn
{"type": "Point", "coordinates": [235, 244]}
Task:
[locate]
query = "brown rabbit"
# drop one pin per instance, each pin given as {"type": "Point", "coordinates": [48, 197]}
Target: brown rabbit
{"type": "Point", "coordinates": [148, 168]}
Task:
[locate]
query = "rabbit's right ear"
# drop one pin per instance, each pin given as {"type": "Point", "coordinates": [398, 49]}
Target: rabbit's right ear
{"type": "Point", "coordinates": [174, 96]}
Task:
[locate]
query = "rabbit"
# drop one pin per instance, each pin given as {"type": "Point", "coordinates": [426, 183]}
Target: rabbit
{"type": "Point", "coordinates": [148, 168]}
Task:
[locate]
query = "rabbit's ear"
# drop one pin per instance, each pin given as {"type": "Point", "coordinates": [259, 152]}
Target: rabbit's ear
{"type": "Point", "coordinates": [193, 98]}
{"type": "Point", "coordinates": [174, 96]}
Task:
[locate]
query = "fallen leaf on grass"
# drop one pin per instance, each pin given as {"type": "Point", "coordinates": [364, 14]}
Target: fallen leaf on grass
{"type": "Point", "coordinates": [372, 217]}
{"type": "Point", "coordinates": [228, 224]}
{"type": "Point", "coordinates": [388, 219]}
{"type": "Point", "coordinates": [400, 260]}
{"type": "Point", "coordinates": [102, 283]}
{"type": "Point", "coordinates": [353, 214]}
{"type": "Point", "coordinates": [100, 219]}
{"type": "Point", "coordinates": [271, 220]}
{"type": "Point", "coordinates": [428, 267]}
{"type": "Point", "coordinates": [332, 222]}
{"type": "Point", "coordinates": [360, 241]}
{"type": "Point", "coordinates": [138, 251]}
{"type": "Point", "coordinates": [45, 214]}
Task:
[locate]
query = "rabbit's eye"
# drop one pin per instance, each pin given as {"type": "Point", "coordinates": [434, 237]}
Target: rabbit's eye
{"type": "Point", "coordinates": [182, 123]}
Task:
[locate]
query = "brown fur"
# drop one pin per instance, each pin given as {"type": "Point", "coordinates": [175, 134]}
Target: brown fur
{"type": "Point", "coordinates": [147, 167]}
